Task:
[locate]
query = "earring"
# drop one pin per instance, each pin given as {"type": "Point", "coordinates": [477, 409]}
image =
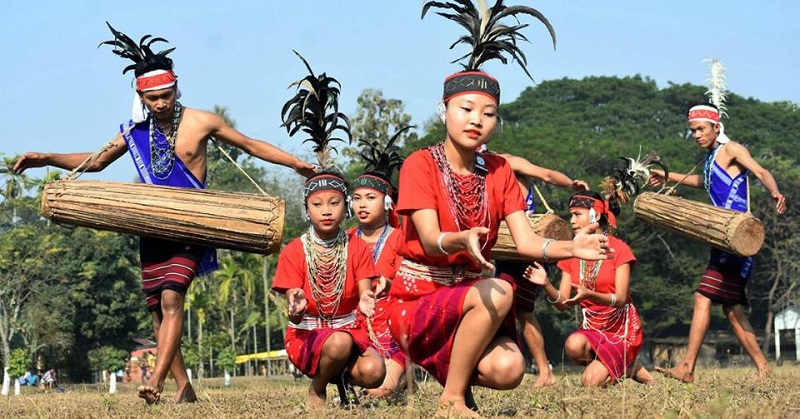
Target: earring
{"type": "Point", "coordinates": [387, 202]}
{"type": "Point", "coordinates": [441, 110]}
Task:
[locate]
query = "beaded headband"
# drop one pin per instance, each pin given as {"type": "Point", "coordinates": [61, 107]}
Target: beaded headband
{"type": "Point", "coordinates": [322, 183]}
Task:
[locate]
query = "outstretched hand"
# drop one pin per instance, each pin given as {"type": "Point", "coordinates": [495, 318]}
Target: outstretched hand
{"type": "Point", "coordinates": [657, 178]}
{"type": "Point", "coordinates": [591, 246]}
{"type": "Point", "coordinates": [535, 274]}
{"type": "Point", "coordinates": [382, 287]}
{"type": "Point", "coordinates": [27, 161]}
{"type": "Point", "coordinates": [780, 202]}
{"type": "Point", "coordinates": [367, 303]}
{"type": "Point", "coordinates": [305, 169]}
{"type": "Point", "coordinates": [297, 304]}
{"type": "Point", "coordinates": [579, 185]}
{"type": "Point", "coordinates": [581, 293]}
{"type": "Point", "coordinates": [473, 242]}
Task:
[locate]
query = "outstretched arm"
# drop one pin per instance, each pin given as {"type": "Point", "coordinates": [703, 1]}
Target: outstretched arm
{"type": "Point", "coordinates": [533, 246]}
{"type": "Point", "coordinates": [743, 157]}
{"type": "Point", "coordinates": [70, 161]}
{"type": "Point", "coordinates": [523, 167]}
{"type": "Point", "coordinates": [264, 151]}
{"type": "Point", "coordinates": [657, 179]}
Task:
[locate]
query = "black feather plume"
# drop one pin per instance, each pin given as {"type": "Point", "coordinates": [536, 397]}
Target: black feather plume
{"type": "Point", "coordinates": [489, 38]}
{"type": "Point", "coordinates": [629, 181]}
{"type": "Point", "coordinates": [383, 160]}
{"type": "Point", "coordinates": [144, 60]}
{"type": "Point", "coordinates": [314, 109]}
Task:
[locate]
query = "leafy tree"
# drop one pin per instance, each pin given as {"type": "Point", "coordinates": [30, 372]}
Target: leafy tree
{"type": "Point", "coordinates": [19, 363]}
{"type": "Point", "coordinates": [377, 118]}
{"type": "Point", "coordinates": [107, 358]}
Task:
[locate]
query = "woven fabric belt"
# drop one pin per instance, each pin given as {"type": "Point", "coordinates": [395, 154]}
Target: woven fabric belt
{"type": "Point", "coordinates": [316, 322]}
{"type": "Point", "coordinates": [445, 275]}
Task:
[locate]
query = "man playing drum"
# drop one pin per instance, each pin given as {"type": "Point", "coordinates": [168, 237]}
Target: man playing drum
{"type": "Point", "coordinates": [168, 143]}
{"type": "Point", "coordinates": [725, 172]}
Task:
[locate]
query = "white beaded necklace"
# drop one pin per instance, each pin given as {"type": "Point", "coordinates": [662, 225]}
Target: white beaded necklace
{"type": "Point", "coordinates": [327, 270]}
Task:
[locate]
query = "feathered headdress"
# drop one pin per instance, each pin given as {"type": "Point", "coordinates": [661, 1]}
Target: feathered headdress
{"type": "Point", "coordinates": [153, 71]}
{"type": "Point", "coordinates": [314, 109]}
{"type": "Point", "coordinates": [717, 93]}
{"type": "Point", "coordinates": [381, 164]}
{"type": "Point", "coordinates": [489, 40]}
{"type": "Point", "coordinates": [627, 182]}
{"type": "Point", "coordinates": [143, 57]}
{"type": "Point", "coordinates": [383, 160]}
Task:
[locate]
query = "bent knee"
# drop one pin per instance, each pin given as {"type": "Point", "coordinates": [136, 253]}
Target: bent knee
{"type": "Point", "coordinates": [508, 371]}
{"type": "Point", "coordinates": [371, 371]}
{"type": "Point", "coordinates": [495, 295]}
{"type": "Point", "coordinates": [171, 303]}
{"type": "Point", "coordinates": [339, 346]}
{"type": "Point", "coordinates": [576, 347]}
{"type": "Point", "coordinates": [593, 379]}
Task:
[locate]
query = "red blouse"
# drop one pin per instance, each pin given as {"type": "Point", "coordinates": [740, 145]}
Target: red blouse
{"type": "Point", "coordinates": [292, 272]}
{"type": "Point", "coordinates": [422, 187]}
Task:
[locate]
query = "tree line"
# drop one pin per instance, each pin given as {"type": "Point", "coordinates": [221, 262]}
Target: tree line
{"type": "Point", "coordinates": [71, 297]}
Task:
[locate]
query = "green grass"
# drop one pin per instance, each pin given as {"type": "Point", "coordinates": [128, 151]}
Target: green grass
{"type": "Point", "coordinates": [718, 393]}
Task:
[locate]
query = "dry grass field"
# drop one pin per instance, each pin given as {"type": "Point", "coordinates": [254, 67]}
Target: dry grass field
{"type": "Point", "coordinates": [718, 393]}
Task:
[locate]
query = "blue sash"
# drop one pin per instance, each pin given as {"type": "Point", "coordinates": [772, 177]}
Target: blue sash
{"type": "Point", "coordinates": [731, 193]}
{"type": "Point", "coordinates": [530, 204]}
{"type": "Point", "coordinates": [138, 141]}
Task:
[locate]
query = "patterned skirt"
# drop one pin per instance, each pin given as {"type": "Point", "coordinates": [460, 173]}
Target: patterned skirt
{"type": "Point", "coordinates": [426, 326]}
{"type": "Point", "coordinates": [304, 345]}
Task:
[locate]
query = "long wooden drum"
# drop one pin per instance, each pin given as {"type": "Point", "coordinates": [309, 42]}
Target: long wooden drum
{"type": "Point", "coordinates": [231, 220]}
{"type": "Point", "coordinates": [547, 225]}
{"type": "Point", "coordinates": [728, 230]}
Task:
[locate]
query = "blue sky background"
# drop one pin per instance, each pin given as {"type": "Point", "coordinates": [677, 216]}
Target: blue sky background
{"type": "Point", "coordinates": [61, 93]}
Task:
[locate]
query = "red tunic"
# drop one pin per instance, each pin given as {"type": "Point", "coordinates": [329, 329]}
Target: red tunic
{"type": "Point", "coordinates": [421, 180]}
{"type": "Point", "coordinates": [304, 346]}
{"type": "Point", "coordinates": [614, 332]}
{"type": "Point", "coordinates": [386, 265]}
{"type": "Point", "coordinates": [427, 314]}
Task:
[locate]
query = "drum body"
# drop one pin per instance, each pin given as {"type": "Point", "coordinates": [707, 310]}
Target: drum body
{"type": "Point", "coordinates": [546, 225]}
{"type": "Point", "coordinates": [231, 220]}
{"type": "Point", "coordinates": [731, 231]}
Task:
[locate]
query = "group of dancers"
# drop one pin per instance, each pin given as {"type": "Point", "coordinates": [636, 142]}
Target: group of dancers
{"type": "Point", "coordinates": [414, 282]}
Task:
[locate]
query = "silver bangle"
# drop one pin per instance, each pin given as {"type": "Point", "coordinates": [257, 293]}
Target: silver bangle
{"type": "Point", "coordinates": [613, 299]}
{"type": "Point", "coordinates": [439, 242]}
{"type": "Point", "coordinates": [544, 250]}
{"type": "Point", "coordinates": [558, 298]}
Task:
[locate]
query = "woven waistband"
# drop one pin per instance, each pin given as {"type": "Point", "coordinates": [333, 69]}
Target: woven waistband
{"type": "Point", "coordinates": [445, 275]}
{"type": "Point", "coordinates": [316, 322]}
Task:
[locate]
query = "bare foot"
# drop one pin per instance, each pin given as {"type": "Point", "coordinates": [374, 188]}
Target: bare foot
{"type": "Point", "coordinates": [186, 395]}
{"type": "Point", "coordinates": [640, 374]}
{"type": "Point", "coordinates": [455, 409]}
{"type": "Point", "coordinates": [761, 375]}
{"type": "Point", "coordinates": [149, 394]}
{"type": "Point", "coordinates": [316, 401]}
{"type": "Point", "coordinates": [459, 407]}
{"type": "Point", "coordinates": [680, 373]}
{"type": "Point", "coordinates": [544, 380]}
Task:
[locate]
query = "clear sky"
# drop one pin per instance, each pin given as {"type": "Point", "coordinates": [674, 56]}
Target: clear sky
{"type": "Point", "coordinates": [61, 93]}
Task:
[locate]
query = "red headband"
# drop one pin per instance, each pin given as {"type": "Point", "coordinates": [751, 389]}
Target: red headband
{"type": "Point", "coordinates": [704, 113]}
{"type": "Point", "coordinates": [156, 81]}
{"type": "Point", "coordinates": [599, 207]}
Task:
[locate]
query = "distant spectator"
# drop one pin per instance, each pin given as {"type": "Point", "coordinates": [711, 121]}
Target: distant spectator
{"type": "Point", "coordinates": [29, 379]}
{"type": "Point", "coordinates": [143, 367]}
{"type": "Point", "coordinates": [49, 379]}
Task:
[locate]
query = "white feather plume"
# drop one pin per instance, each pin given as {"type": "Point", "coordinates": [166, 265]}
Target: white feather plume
{"type": "Point", "coordinates": [717, 85]}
